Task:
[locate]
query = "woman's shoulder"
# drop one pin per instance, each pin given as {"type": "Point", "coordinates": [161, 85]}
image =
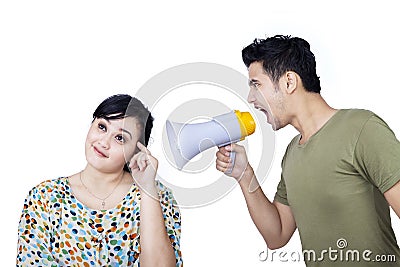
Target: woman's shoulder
{"type": "Point", "coordinates": [52, 183]}
{"type": "Point", "coordinates": [49, 187]}
{"type": "Point", "coordinates": [163, 188]}
{"type": "Point", "coordinates": [165, 193]}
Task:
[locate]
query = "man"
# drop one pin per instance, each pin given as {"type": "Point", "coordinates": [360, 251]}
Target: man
{"type": "Point", "coordinates": [339, 175]}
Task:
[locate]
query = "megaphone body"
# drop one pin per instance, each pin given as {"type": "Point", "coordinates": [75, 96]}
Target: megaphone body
{"type": "Point", "coordinates": [188, 140]}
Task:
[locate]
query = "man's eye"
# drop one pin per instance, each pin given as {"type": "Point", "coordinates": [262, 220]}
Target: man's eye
{"type": "Point", "coordinates": [254, 85]}
{"type": "Point", "coordinates": [102, 127]}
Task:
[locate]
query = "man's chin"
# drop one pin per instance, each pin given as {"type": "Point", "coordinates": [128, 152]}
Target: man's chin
{"type": "Point", "coordinates": [272, 122]}
{"type": "Point", "coordinates": [270, 119]}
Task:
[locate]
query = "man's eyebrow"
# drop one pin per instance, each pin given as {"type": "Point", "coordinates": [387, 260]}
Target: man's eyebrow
{"type": "Point", "coordinates": [252, 81]}
{"type": "Point", "coordinates": [126, 131]}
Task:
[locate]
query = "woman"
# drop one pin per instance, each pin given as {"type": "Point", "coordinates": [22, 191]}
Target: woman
{"type": "Point", "coordinates": [113, 212]}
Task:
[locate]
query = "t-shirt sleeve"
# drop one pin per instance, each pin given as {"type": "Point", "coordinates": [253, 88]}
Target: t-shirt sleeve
{"type": "Point", "coordinates": [172, 219]}
{"type": "Point", "coordinates": [281, 194]}
{"type": "Point", "coordinates": [34, 236]}
{"type": "Point", "coordinates": [377, 154]}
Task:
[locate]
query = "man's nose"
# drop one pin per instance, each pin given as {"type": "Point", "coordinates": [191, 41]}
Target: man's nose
{"type": "Point", "coordinates": [250, 96]}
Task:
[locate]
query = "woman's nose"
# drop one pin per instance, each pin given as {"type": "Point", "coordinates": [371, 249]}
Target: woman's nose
{"type": "Point", "coordinates": [105, 141]}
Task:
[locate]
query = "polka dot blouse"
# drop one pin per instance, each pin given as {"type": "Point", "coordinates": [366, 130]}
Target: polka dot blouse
{"type": "Point", "coordinates": [55, 229]}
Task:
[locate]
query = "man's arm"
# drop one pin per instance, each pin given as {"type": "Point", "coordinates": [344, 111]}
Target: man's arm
{"type": "Point", "coordinates": [393, 198]}
{"type": "Point", "coordinates": [274, 221]}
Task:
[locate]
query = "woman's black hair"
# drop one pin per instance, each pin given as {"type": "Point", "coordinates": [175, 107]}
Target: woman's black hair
{"type": "Point", "coordinates": [283, 53]}
{"type": "Point", "coordinates": [121, 106]}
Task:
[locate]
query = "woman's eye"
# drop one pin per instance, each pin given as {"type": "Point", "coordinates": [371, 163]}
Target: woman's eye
{"type": "Point", "coordinates": [120, 138]}
{"type": "Point", "coordinates": [102, 127]}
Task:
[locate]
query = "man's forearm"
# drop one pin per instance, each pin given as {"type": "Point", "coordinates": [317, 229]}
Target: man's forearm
{"type": "Point", "coordinates": [264, 214]}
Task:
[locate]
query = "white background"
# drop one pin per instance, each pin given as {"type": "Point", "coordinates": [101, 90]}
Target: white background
{"type": "Point", "coordinates": [58, 60]}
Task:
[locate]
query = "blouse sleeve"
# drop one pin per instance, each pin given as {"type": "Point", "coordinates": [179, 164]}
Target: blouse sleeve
{"type": "Point", "coordinates": [34, 238]}
{"type": "Point", "coordinates": [172, 219]}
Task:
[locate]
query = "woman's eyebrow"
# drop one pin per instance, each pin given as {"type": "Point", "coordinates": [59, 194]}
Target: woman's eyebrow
{"type": "Point", "coordinates": [126, 131]}
{"type": "Point", "coordinates": [105, 120]}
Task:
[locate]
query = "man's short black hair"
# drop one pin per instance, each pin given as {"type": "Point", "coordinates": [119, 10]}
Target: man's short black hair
{"type": "Point", "coordinates": [283, 53]}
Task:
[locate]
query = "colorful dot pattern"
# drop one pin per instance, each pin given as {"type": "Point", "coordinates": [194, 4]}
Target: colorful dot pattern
{"type": "Point", "coordinates": [55, 229]}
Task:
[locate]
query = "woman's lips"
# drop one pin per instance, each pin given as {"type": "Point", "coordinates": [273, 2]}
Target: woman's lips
{"type": "Point", "coordinates": [98, 152]}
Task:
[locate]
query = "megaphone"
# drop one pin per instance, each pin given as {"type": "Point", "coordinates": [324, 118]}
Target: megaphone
{"type": "Point", "coordinates": [188, 140]}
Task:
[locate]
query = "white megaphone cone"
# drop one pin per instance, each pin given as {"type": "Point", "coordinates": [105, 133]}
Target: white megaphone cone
{"type": "Point", "coordinates": [188, 140]}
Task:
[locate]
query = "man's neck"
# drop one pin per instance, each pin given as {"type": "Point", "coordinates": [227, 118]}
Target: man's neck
{"type": "Point", "coordinates": [311, 114]}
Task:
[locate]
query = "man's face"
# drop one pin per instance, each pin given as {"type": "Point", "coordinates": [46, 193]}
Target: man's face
{"type": "Point", "coordinates": [266, 96]}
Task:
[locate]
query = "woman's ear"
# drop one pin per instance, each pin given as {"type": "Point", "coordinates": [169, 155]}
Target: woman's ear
{"type": "Point", "coordinates": [126, 167]}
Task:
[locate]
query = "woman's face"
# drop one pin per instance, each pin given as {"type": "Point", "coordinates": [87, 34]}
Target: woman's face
{"type": "Point", "coordinates": [111, 143]}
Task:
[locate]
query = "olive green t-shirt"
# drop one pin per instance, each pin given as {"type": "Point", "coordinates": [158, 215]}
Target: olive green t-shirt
{"type": "Point", "coordinates": [334, 184]}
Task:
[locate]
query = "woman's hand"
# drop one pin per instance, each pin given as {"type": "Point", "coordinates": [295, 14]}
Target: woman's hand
{"type": "Point", "coordinates": [144, 169]}
{"type": "Point", "coordinates": [156, 248]}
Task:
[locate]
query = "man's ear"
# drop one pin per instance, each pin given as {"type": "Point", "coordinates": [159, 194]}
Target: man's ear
{"type": "Point", "coordinates": [291, 80]}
